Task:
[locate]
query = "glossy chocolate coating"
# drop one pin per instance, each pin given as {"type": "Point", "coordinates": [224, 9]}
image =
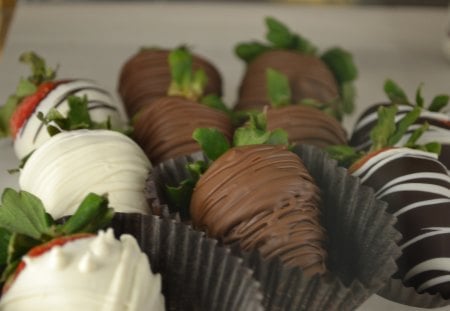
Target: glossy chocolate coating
{"type": "Point", "coordinates": [164, 128]}
{"type": "Point", "coordinates": [146, 76]}
{"type": "Point", "coordinates": [307, 125]}
{"type": "Point", "coordinates": [438, 131]}
{"type": "Point", "coordinates": [416, 187]}
{"type": "Point", "coordinates": [263, 197]}
{"type": "Point", "coordinates": [309, 78]}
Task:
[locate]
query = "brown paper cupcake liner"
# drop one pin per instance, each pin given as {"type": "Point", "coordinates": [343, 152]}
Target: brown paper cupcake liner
{"type": "Point", "coordinates": [361, 246]}
{"type": "Point", "coordinates": [197, 274]}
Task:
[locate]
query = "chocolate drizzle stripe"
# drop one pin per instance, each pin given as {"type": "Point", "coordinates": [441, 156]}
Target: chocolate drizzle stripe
{"type": "Point", "coordinates": [97, 104]}
{"type": "Point", "coordinates": [414, 176]}
{"type": "Point", "coordinates": [433, 282]}
{"type": "Point", "coordinates": [419, 204]}
{"type": "Point", "coordinates": [432, 232]}
{"type": "Point", "coordinates": [62, 99]}
{"type": "Point", "coordinates": [416, 187]}
{"type": "Point", "coordinates": [442, 264]}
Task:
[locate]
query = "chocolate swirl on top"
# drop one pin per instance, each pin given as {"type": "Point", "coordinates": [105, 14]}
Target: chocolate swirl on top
{"type": "Point", "coordinates": [146, 76]}
{"type": "Point", "coordinates": [309, 78]}
{"type": "Point", "coordinates": [263, 197]}
{"type": "Point", "coordinates": [164, 128]}
{"type": "Point", "coordinates": [438, 131]}
{"type": "Point", "coordinates": [307, 125]}
{"type": "Point", "coordinates": [417, 188]}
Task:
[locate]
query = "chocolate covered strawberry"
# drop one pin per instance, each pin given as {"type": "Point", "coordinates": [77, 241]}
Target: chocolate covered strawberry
{"type": "Point", "coordinates": [164, 128]}
{"type": "Point", "coordinates": [438, 122]}
{"type": "Point", "coordinates": [257, 194]}
{"type": "Point", "coordinates": [39, 93]}
{"type": "Point", "coordinates": [146, 76]}
{"type": "Point", "coordinates": [71, 266]}
{"type": "Point", "coordinates": [416, 187]}
{"type": "Point", "coordinates": [326, 78]}
{"type": "Point", "coordinates": [309, 122]}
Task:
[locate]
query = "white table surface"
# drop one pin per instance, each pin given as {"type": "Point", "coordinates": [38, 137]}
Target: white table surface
{"type": "Point", "coordinates": [93, 41]}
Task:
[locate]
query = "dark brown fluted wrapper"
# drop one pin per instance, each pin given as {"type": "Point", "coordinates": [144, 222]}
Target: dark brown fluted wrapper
{"type": "Point", "coordinates": [361, 245]}
{"type": "Point", "coordinates": [197, 274]}
{"type": "Point", "coordinates": [146, 76]}
{"type": "Point", "coordinates": [309, 78]}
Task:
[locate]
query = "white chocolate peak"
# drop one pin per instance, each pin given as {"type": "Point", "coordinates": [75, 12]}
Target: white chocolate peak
{"type": "Point", "coordinates": [72, 164]}
{"type": "Point", "coordinates": [121, 280]}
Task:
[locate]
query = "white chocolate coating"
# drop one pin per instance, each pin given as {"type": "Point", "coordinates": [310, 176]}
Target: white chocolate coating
{"type": "Point", "coordinates": [72, 164]}
{"type": "Point", "coordinates": [101, 105]}
{"type": "Point", "coordinates": [97, 273]}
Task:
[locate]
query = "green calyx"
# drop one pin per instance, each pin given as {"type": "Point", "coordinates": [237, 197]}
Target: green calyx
{"type": "Point", "coordinates": [280, 95]}
{"type": "Point", "coordinates": [398, 96]}
{"type": "Point", "coordinates": [185, 81]}
{"type": "Point", "coordinates": [339, 61]}
{"type": "Point", "coordinates": [387, 133]}
{"type": "Point", "coordinates": [24, 224]}
{"type": "Point", "coordinates": [214, 144]}
{"type": "Point", "coordinates": [77, 118]}
{"type": "Point", "coordinates": [40, 73]}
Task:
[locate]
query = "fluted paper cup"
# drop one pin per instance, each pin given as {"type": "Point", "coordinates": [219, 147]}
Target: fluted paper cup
{"type": "Point", "coordinates": [361, 246]}
{"type": "Point", "coordinates": [197, 274]}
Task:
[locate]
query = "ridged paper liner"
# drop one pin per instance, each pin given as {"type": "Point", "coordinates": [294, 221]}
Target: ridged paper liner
{"type": "Point", "coordinates": [197, 274]}
{"type": "Point", "coordinates": [361, 246]}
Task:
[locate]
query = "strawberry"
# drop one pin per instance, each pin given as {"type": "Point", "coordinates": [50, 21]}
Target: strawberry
{"type": "Point", "coordinates": [326, 78]}
{"type": "Point", "coordinates": [27, 229]}
{"type": "Point", "coordinates": [28, 105]}
{"type": "Point", "coordinates": [164, 126]}
{"type": "Point", "coordinates": [416, 187]}
{"type": "Point", "coordinates": [29, 93]}
{"type": "Point", "coordinates": [40, 250]}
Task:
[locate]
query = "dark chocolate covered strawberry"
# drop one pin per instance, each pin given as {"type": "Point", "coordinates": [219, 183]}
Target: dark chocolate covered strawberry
{"type": "Point", "coordinates": [40, 93]}
{"type": "Point", "coordinates": [164, 128]}
{"type": "Point", "coordinates": [308, 122]}
{"type": "Point", "coordinates": [438, 122]}
{"type": "Point", "coordinates": [146, 76]}
{"type": "Point", "coordinates": [416, 186]}
{"type": "Point", "coordinates": [257, 194]}
{"type": "Point", "coordinates": [326, 78]}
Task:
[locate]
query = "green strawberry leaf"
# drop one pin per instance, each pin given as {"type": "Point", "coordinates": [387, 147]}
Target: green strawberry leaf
{"type": "Point", "coordinates": [303, 45]}
{"type": "Point", "coordinates": [215, 102]}
{"type": "Point", "coordinates": [433, 147]}
{"type": "Point", "coordinates": [185, 82]}
{"type": "Point", "coordinates": [341, 64]}
{"type": "Point", "coordinates": [348, 94]}
{"type": "Point", "coordinates": [278, 137]}
{"type": "Point", "coordinates": [345, 155]}
{"type": "Point", "coordinates": [244, 136]}
{"type": "Point", "coordinates": [278, 88]}
{"type": "Point", "coordinates": [212, 141]}
{"type": "Point", "coordinates": [438, 103]}
{"type": "Point", "coordinates": [25, 88]}
{"type": "Point", "coordinates": [419, 97]}
{"type": "Point", "coordinates": [403, 125]}
{"type": "Point", "coordinates": [21, 212]}
{"type": "Point", "coordinates": [5, 236]}
{"type": "Point", "coordinates": [92, 214]}
{"type": "Point", "coordinates": [384, 128]}
{"type": "Point", "coordinates": [395, 93]}
{"type": "Point", "coordinates": [39, 69]}
{"type": "Point", "coordinates": [278, 34]}
{"type": "Point", "coordinates": [249, 51]}
{"type": "Point", "coordinates": [6, 112]}
{"type": "Point", "coordinates": [414, 137]}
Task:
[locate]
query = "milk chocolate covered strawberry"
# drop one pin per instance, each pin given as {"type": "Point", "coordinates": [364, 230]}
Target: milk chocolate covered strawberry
{"type": "Point", "coordinates": [416, 187]}
{"type": "Point", "coordinates": [146, 76]}
{"type": "Point", "coordinates": [258, 194]}
{"type": "Point", "coordinates": [307, 122]}
{"type": "Point", "coordinates": [326, 78]}
{"type": "Point", "coordinates": [40, 93]}
{"type": "Point", "coordinates": [164, 128]}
